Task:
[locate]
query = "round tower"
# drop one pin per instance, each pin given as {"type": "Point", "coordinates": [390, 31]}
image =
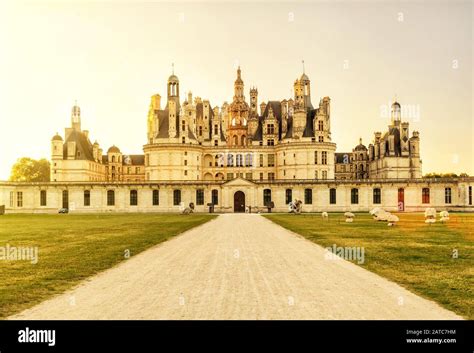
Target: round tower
{"type": "Point", "coordinates": [57, 147]}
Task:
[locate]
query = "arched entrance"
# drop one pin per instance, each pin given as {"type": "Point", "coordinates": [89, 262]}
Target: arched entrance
{"type": "Point", "coordinates": [239, 202]}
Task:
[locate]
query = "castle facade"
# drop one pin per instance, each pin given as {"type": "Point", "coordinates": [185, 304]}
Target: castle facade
{"type": "Point", "coordinates": [238, 156]}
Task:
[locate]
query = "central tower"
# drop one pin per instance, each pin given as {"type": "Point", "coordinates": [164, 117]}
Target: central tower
{"type": "Point", "coordinates": [239, 114]}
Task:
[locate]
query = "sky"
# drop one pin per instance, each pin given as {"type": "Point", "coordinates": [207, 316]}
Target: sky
{"type": "Point", "coordinates": [111, 57]}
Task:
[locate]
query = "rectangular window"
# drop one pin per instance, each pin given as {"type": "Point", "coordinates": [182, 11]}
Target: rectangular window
{"type": "Point", "coordinates": [377, 196]}
{"type": "Point", "coordinates": [230, 176]}
{"type": "Point", "coordinates": [110, 198]}
{"type": "Point", "coordinates": [470, 195]}
{"type": "Point", "coordinates": [261, 160]}
{"type": "Point", "coordinates": [261, 176]}
{"type": "Point", "coordinates": [271, 176]}
{"type": "Point", "coordinates": [308, 196]}
{"type": "Point", "coordinates": [156, 197]}
{"type": "Point", "coordinates": [270, 129]}
{"type": "Point", "coordinates": [324, 157]}
{"type": "Point", "coordinates": [176, 197]}
{"type": "Point", "coordinates": [425, 195]}
{"type": "Point", "coordinates": [325, 174]}
{"type": "Point", "coordinates": [288, 196]}
{"type": "Point", "coordinates": [19, 199]}
{"type": "Point", "coordinates": [354, 196]}
{"type": "Point", "coordinates": [238, 160]}
{"type": "Point", "coordinates": [320, 139]}
{"type": "Point", "coordinates": [315, 157]}
{"type": "Point", "coordinates": [87, 197]}
{"type": "Point", "coordinates": [271, 160]}
{"type": "Point", "coordinates": [230, 160]}
{"type": "Point", "coordinates": [200, 197]}
{"type": "Point", "coordinates": [215, 197]}
{"type": "Point", "coordinates": [43, 198]}
{"type": "Point", "coordinates": [248, 176]}
{"type": "Point", "coordinates": [65, 199]}
{"type": "Point", "coordinates": [133, 197]}
{"type": "Point", "coordinates": [248, 160]}
{"type": "Point", "coordinates": [332, 196]}
{"type": "Point", "coordinates": [12, 198]}
{"type": "Point", "coordinates": [447, 195]}
{"type": "Point", "coordinates": [270, 142]}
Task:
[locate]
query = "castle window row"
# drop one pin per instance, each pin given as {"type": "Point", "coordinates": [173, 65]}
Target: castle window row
{"type": "Point", "coordinates": [16, 198]}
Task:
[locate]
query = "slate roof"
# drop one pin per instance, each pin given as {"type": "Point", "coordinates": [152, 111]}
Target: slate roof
{"type": "Point", "coordinates": [83, 146]}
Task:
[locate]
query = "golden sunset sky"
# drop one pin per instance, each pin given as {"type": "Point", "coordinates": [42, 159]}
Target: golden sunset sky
{"type": "Point", "coordinates": [112, 56]}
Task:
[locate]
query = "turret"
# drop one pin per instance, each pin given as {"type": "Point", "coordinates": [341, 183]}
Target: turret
{"type": "Point", "coordinates": [76, 118]}
{"type": "Point", "coordinates": [253, 101]}
{"type": "Point", "coordinates": [263, 105]}
{"type": "Point", "coordinates": [396, 114]}
{"type": "Point", "coordinates": [95, 151]}
{"type": "Point", "coordinates": [57, 147]}
{"type": "Point", "coordinates": [173, 90]}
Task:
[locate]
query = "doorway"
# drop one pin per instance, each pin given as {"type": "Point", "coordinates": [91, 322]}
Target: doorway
{"type": "Point", "coordinates": [401, 199]}
{"type": "Point", "coordinates": [239, 202]}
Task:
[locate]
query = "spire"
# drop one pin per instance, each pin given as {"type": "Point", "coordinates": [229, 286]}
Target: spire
{"type": "Point", "coordinates": [302, 61]}
{"type": "Point", "coordinates": [239, 77]}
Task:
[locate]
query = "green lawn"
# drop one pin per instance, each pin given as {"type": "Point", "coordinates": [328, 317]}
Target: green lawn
{"type": "Point", "coordinates": [74, 247]}
{"type": "Point", "coordinates": [413, 254]}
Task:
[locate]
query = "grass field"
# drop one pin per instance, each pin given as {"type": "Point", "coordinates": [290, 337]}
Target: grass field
{"type": "Point", "coordinates": [413, 254]}
{"type": "Point", "coordinates": [74, 247]}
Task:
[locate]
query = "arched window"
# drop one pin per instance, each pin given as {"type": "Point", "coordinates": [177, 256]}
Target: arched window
{"type": "Point", "coordinates": [156, 197]}
{"type": "Point", "coordinates": [236, 140]}
{"type": "Point", "coordinates": [230, 160]}
{"type": "Point", "coordinates": [133, 197]}
{"type": "Point", "coordinates": [267, 197]}
{"type": "Point", "coordinates": [332, 196]}
{"type": "Point", "coordinates": [176, 197]}
{"type": "Point", "coordinates": [113, 159]}
{"type": "Point", "coordinates": [242, 140]}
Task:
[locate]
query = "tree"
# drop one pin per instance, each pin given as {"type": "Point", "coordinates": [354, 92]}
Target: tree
{"type": "Point", "coordinates": [444, 175]}
{"type": "Point", "coordinates": [30, 170]}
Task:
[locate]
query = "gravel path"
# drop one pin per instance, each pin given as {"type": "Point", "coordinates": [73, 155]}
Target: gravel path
{"type": "Point", "coordinates": [236, 267]}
